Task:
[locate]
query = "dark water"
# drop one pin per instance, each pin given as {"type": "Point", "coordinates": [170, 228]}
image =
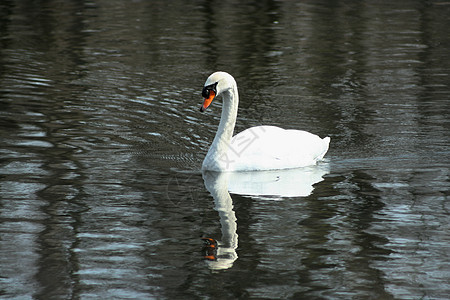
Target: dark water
{"type": "Point", "coordinates": [101, 196]}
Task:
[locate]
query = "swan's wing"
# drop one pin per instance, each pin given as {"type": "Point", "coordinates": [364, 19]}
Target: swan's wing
{"type": "Point", "coordinates": [268, 147]}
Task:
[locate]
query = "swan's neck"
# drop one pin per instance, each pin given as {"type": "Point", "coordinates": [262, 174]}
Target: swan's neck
{"type": "Point", "coordinates": [218, 151]}
{"type": "Point", "coordinates": [227, 120]}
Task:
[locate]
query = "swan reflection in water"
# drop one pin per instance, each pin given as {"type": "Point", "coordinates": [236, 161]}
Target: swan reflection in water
{"type": "Point", "coordinates": [271, 185]}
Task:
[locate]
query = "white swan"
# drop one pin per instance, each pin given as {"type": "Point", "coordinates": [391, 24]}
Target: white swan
{"type": "Point", "coordinates": [256, 148]}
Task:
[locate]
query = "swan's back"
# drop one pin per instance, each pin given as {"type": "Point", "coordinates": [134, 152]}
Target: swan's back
{"type": "Point", "coordinates": [270, 147]}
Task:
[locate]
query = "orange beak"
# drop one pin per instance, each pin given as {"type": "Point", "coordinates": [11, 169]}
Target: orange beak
{"type": "Point", "coordinates": [208, 101]}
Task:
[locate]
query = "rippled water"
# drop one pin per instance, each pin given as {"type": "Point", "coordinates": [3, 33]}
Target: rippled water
{"type": "Point", "coordinates": [101, 195]}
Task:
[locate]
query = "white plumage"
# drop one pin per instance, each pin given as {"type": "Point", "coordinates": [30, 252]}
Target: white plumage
{"type": "Point", "coordinates": [256, 148]}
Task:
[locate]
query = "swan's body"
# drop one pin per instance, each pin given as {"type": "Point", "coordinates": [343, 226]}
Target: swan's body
{"type": "Point", "coordinates": [256, 148]}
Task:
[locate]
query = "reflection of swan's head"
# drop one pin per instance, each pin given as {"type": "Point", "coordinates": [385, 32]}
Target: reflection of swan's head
{"type": "Point", "coordinates": [216, 84]}
{"type": "Point", "coordinates": [225, 259]}
{"type": "Point", "coordinates": [221, 254]}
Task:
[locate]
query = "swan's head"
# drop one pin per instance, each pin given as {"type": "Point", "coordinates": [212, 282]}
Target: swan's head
{"type": "Point", "coordinates": [216, 84]}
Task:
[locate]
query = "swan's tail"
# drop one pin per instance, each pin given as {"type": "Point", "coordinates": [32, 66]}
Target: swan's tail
{"type": "Point", "coordinates": [326, 144]}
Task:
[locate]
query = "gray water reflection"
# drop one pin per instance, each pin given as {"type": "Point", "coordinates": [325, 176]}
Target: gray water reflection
{"type": "Point", "coordinates": [101, 144]}
{"type": "Point", "coordinates": [272, 185]}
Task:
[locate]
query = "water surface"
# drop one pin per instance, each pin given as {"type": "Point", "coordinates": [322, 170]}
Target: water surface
{"type": "Point", "coordinates": [101, 194]}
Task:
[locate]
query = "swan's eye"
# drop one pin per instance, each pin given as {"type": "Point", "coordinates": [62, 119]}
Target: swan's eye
{"type": "Point", "coordinates": [206, 92]}
{"type": "Point", "coordinates": [207, 89]}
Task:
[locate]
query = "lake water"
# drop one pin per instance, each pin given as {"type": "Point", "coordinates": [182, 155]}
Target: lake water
{"type": "Point", "coordinates": [101, 193]}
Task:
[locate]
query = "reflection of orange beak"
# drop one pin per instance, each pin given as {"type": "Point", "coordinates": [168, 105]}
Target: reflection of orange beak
{"type": "Point", "coordinates": [208, 101]}
{"type": "Point", "coordinates": [210, 248]}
